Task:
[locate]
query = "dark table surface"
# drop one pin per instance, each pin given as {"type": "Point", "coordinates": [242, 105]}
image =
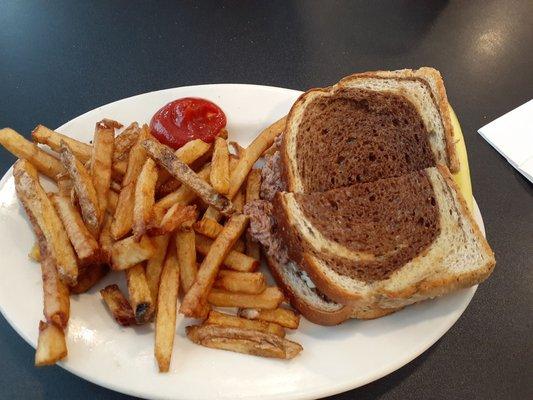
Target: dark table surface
{"type": "Point", "coordinates": [61, 59]}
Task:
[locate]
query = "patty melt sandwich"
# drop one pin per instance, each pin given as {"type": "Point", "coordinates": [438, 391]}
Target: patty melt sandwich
{"type": "Point", "coordinates": [359, 214]}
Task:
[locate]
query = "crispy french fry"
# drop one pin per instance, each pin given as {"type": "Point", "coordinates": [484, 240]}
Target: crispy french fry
{"type": "Point", "coordinates": [144, 198]}
{"type": "Point", "coordinates": [281, 316]}
{"type": "Point", "coordinates": [187, 154]}
{"type": "Point", "coordinates": [112, 201]}
{"type": "Point", "coordinates": [211, 228]}
{"type": "Point", "coordinates": [106, 239]}
{"type": "Point", "coordinates": [89, 277]}
{"type": "Point", "coordinates": [101, 160]}
{"type": "Point", "coordinates": [123, 216]}
{"type": "Point", "coordinates": [217, 318]}
{"type": "Point", "coordinates": [238, 201]}
{"type": "Point", "coordinates": [55, 293]}
{"type": "Point", "coordinates": [139, 293]}
{"type": "Point", "coordinates": [124, 142]}
{"type": "Point", "coordinates": [234, 259]}
{"type": "Point", "coordinates": [164, 156]}
{"type": "Point", "coordinates": [219, 177]}
{"type": "Point", "coordinates": [64, 186]}
{"type": "Point", "coordinates": [253, 186]}
{"type": "Point", "coordinates": [183, 195]}
{"type": "Point", "coordinates": [176, 217]}
{"type": "Point", "coordinates": [195, 301]}
{"type": "Point", "coordinates": [35, 253]}
{"type": "Point", "coordinates": [51, 345]}
{"type": "Point", "coordinates": [252, 153]}
{"type": "Point", "coordinates": [238, 150]}
{"type": "Point", "coordinates": [243, 341]}
{"type": "Point", "coordinates": [119, 170]}
{"type": "Point", "coordinates": [127, 252]}
{"type": "Point", "coordinates": [17, 145]}
{"type": "Point", "coordinates": [84, 187]}
{"type": "Point", "coordinates": [123, 219]}
{"type": "Point", "coordinates": [241, 282]}
{"type": "Point", "coordinates": [154, 265]}
{"type": "Point", "coordinates": [115, 186]}
{"type": "Point", "coordinates": [81, 239]}
{"type": "Point", "coordinates": [269, 299]}
{"type": "Point", "coordinates": [45, 221]}
{"type": "Point", "coordinates": [211, 212]}
{"type": "Point", "coordinates": [165, 323]}
{"type": "Point", "coordinates": [167, 187]}
{"type": "Point", "coordinates": [118, 305]}
{"type": "Point", "coordinates": [186, 253]}
{"type": "Point", "coordinates": [41, 134]}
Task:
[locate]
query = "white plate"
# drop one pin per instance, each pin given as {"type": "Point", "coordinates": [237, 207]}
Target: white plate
{"type": "Point", "coordinates": [334, 359]}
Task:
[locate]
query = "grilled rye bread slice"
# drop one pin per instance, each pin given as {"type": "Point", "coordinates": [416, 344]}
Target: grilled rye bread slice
{"type": "Point", "coordinates": [387, 243]}
{"type": "Point", "coordinates": [368, 126]}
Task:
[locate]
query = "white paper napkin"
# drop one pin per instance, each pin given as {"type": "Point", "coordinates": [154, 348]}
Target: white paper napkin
{"type": "Point", "coordinates": [512, 136]}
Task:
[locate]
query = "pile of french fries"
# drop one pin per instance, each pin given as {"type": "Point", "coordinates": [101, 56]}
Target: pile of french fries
{"type": "Point", "coordinates": [171, 221]}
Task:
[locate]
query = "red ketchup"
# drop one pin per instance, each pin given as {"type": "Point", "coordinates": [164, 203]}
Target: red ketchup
{"type": "Point", "coordinates": [186, 119]}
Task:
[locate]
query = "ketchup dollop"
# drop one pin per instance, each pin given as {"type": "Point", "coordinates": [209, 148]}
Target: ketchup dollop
{"type": "Point", "coordinates": [186, 119]}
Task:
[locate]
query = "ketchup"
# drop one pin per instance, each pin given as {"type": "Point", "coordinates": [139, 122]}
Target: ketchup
{"type": "Point", "coordinates": [186, 119]}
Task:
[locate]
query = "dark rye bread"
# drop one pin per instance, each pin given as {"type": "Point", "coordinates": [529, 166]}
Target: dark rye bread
{"type": "Point", "coordinates": [452, 254]}
{"type": "Point", "coordinates": [366, 127]}
{"type": "Point", "coordinates": [359, 136]}
{"type": "Point", "coordinates": [384, 223]}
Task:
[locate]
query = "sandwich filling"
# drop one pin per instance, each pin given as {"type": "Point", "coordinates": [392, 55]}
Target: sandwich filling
{"type": "Point", "coordinates": [360, 136]}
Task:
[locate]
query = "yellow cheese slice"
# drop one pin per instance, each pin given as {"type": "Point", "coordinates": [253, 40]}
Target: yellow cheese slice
{"type": "Point", "coordinates": [462, 177]}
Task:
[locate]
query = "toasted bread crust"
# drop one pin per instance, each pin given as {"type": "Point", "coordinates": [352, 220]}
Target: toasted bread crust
{"type": "Point", "coordinates": [311, 313]}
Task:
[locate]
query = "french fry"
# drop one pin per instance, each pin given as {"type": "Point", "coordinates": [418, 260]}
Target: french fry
{"type": "Point", "coordinates": [123, 218]}
{"type": "Point", "coordinates": [243, 341]}
{"type": "Point", "coordinates": [101, 160]}
{"type": "Point", "coordinates": [112, 200]}
{"type": "Point", "coordinates": [81, 239]}
{"type": "Point", "coordinates": [269, 299]}
{"type": "Point", "coordinates": [51, 345]}
{"type": "Point", "coordinates": [89, 277]}
{"type": "Point", "coordinates": [165, 323]}
{"type": "Point", "coordinates": [186, 253]}
{"type": "Point", "coordinates": [106, 239]}
{"type": "Point", "coordinates": [238, 150]}
{"type": "Point", "coordinates": [124, 142]}
{"type": "Point", "coordinates": [211, 212]}
{"type": "Point", "coordinates": [183, 195]}
{"type": "Point", "coordinates": [123, 215]}
{"type": "Point", "coordinates": [84, 187]}
{"type": "Point", "coordinates": [64, 186]}
{"type": "Point", "coordinates": [119, 170]}
{"type": "Point", "coordinates": [253, 186]}
{"type": "Point", "coordinates": [115, 186]}
{"type": "Point", "coordinates": [238, 201]}
{"type": "Point", "coordinates": [217, 318]}
{"type": "Point", "coordinates": [252, 153]}
{"type": "Point", "coordinates": [41, 134]}
{"type": "Point", "coordinates": [241, 282]}
{"type": "Point", "coordinates": [176, 217]}
{"type": "Point", "coordinates": [195, 301]}
{"type": "Point", "coordinates": [220, 167]}
{"type": "Point", "coordinates": [234, 259]}
{"type": "Point", "coordinates": [167, 187]}
{"type": "Point", "coordinates": [211, 228]}
{"type": "Point", "coordinates": [154, 265]}
{"type": "Point", "coordinates": [55, 293]}
{"type": "Point", "coordinates": [17, 145]}
{"type": "Point", "coordinates": [127, 252]}
{"type": "Point", "coordinates": [144, 198]}
{"type": "Point", "coordinates": [281, 316]}
{"type": "Point", "coordinates": [118, 305]}
{"type": "Point", "coordinates": [35, 253]}
{"type": "Point", "coordinates": [140, 300]}
{"type": "Point", "coordinates": [187, 154]}
{"type": "Point", "coordinates": [164, 156]}
{"type": "Point", "coordinates": [45, 221]}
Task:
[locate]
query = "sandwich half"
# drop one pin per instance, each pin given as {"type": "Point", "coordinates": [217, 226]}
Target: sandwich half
{"type": "Point", "coordinates": [359, 214]}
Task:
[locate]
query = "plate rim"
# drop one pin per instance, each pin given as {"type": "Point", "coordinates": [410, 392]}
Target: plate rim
{"type": "Point", "coordinates": [304, 394]}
